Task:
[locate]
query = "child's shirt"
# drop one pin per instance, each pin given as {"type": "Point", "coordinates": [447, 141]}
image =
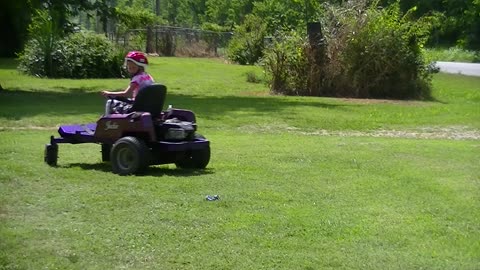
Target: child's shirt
{"type": "Point", "coordinates": [142, 80]}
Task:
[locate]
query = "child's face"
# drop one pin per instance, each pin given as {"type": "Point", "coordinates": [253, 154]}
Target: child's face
{"type": "Point", "coordinates": [132, 68]}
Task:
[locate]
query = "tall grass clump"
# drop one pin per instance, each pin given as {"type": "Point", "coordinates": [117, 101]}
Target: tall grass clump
{"type": "Point", "coordinates": [366, 52]}
{"type": "Point", "coordinates": [76, 55]}
{"type": "Point", "coordinates": [286, 64]}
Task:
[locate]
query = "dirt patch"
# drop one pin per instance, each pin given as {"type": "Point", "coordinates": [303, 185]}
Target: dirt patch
{"type": "Point", "coordinates": [450, 133]}
{"type": "Point", "coordinates": [255, 93]}
{"type": "Point", "coordinates": [28, 128]}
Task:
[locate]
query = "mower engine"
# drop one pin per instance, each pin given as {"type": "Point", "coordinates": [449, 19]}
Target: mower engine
{"type": "Point", "coordinates": [176, 130]}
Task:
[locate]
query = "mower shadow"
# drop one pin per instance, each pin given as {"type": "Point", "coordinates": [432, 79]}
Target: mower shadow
{"type": "Point", "coordinates": [103, 167]}
{"type": "Point", "coordinates": [151, 171]}
{"type": "Point", "coordinates": [162, 171]}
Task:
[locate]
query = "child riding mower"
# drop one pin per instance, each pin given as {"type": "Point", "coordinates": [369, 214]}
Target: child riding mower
{"type": "Point", "coordinates": [145, 135]}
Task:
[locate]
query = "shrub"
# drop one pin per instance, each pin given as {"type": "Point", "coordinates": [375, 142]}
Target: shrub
{"type": "Point", "coordinates": [384, 58]}
{"type": "Point", "coordinates": [79, 55]}
{"type": "Point", "coordinates": [367, 53]}
{"type": "Point", "coordinates": [252, 77]}
{"type": "Point", "coordinates": [88, 55]}
{"type": "Point", "coordinates": [247, 43]}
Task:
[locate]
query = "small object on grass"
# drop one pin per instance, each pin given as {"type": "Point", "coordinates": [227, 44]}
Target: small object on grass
{"type": "Point", "coordinates": [212, 198]}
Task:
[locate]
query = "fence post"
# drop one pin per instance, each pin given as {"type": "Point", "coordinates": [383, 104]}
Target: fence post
{"type": "Point", "coordinates": [156, 39]}
{"type": "Point", "coordinates": [148, 46]}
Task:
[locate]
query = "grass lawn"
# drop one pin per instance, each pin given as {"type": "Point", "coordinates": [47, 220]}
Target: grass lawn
{"type": "Point", "coordinates": [299, 188]}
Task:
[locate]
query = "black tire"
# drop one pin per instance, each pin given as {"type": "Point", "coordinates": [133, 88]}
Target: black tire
{"type": "Point", "coordinates": [195, 159]}
{"type": "Point", "coordinates": [51, 154]}
{"type": "Point", "coordinates": [106, 149]}
{"type": "Point", "coordinates": [129, 155]}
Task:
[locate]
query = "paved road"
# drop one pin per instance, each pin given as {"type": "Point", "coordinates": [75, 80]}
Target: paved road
{"type": "Point", "coordinates": [459, 68]}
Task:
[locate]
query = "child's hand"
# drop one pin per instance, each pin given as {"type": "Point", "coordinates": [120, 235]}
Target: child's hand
{"type": "Point", "coordinates": [105, 93]}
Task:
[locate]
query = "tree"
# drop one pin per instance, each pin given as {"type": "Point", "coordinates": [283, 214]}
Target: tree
{"type": "Point", "coordinates": [14, 19]}
{"type": "Point", "coordinates": [461, 23]}
{"type": "Point", "coordinates": [15, 16]}
{"type": "Point", "coordinates": [287, 14]}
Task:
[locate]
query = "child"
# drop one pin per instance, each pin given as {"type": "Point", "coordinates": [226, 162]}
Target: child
{"type": "Point", "coordinates": [135, 62]}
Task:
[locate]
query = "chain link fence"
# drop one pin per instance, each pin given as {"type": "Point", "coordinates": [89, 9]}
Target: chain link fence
{"type": "Point", "coordinates": [175, 41]}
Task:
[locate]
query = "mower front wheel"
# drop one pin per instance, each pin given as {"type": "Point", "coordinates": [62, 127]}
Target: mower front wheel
{"type": "Point", "coordinates": [129, 155]}
{"type": "Point", "coordinates": [51, 154]}
{"type": "Point", "coordinates": [106, 149]}
{"type": "Point", "coordinates": [195, 159]}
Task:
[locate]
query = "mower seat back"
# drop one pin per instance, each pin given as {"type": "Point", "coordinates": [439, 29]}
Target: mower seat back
{"type": "Point", "coordinates": [150, 99]}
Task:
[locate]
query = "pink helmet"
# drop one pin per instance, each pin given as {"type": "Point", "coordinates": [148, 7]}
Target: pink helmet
{"type": "Point", "coordinates": [136, 57]}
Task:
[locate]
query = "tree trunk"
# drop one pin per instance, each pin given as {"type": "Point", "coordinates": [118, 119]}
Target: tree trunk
{"type": "Point", "coordinates": [157, 7]}
{"type": "Point", "coordinates": [316, 58]}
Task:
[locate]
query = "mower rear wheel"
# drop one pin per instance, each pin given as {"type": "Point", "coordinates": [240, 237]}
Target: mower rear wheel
{"type": "Point", "coordinates": [129, 155]}
{"type": "Point", "coordinates": [195, 159]}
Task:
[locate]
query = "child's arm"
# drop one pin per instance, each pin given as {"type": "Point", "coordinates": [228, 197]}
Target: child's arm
{"type": "Point", "coordinates": [125, 93]}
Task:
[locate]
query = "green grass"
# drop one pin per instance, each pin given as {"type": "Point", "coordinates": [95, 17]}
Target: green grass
{"type": "Point", "coordinates": [452, 55]}
{"type": "Point", "coordinates": [223, 99]}
{"type": "Point", "coordinates": [290, 199]}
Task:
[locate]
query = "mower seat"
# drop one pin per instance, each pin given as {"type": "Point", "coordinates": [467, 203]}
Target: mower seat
{"type": "Point", "coordinates": [150, 99]}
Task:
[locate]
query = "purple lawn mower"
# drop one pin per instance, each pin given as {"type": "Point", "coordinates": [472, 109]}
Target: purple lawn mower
{"type": "Point", "coordinates": [144, 136]}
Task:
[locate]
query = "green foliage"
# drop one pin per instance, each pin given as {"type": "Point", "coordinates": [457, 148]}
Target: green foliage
{"type": "Point", "coordinates": [214, 27]}
{"type": "Point", "coordinates": [286, 15]}
{"type": "Point", "coordinates": [132, 18]}
{"type": "Point", "coordinates": [227, 13]}
{"type": "Point", "coordinates": [460, 25]}
{"type": "Point", "coordinates": [248, 41]}
{"type": "Point", "coordinates": [80, 55]}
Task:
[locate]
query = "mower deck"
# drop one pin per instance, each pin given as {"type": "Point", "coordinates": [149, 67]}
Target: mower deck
{"type": "Point", "coordinates": [77, 134]}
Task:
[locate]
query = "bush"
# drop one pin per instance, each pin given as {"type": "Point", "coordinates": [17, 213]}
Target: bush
{"type": "Point", "coordinates": [79, 55]}
{"type": "Point", "coordinates": [367, 53]}
{"type": "Point", "coordinates": [247, 43]}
